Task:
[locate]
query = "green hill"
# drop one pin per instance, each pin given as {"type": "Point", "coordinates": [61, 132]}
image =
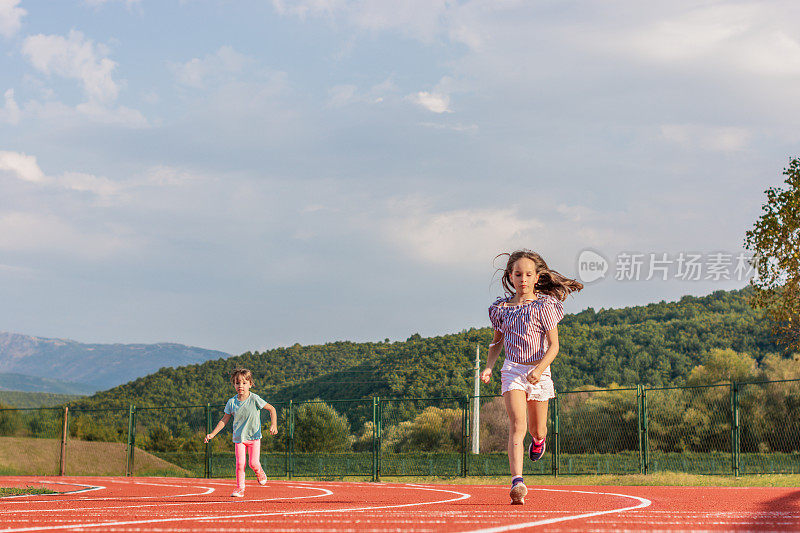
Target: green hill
{"type": "Point", "coordinates": [22, 399]}
{"type": "Point", "coordinates": [656, 344]}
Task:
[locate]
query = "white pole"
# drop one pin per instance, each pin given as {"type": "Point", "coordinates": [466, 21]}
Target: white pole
{"type": "Point", "coordinates": [476, 407]}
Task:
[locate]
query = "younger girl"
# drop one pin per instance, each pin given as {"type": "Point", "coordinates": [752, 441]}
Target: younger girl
{"type": "Point", "coordinates": [524, 325]}
{"type": "Point", "coordinates": [245, 408]}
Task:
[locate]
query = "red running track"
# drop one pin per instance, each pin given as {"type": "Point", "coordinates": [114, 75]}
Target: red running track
{"type": "Point", "coordinates": [189, 505]}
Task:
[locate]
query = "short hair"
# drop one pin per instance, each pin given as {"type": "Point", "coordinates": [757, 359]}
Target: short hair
{"type": "Point", "coordinates": [244, 373]}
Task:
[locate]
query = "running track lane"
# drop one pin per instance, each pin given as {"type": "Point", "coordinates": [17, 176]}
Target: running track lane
{"type": "Point", "coordinates": [199, 505]}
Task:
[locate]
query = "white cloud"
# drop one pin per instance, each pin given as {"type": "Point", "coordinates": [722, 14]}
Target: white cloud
{"type": "Point", "coordinates": [750, 37]}
{"type": "Point", "coordinates": [22, 166]}
{"type": "Point", "coordinates": [342, 95]}
{"type": "Point", "coordinates": [448, 237]}
{"type": "Point", "coordinates": [711, 138]}
{"type": "Point", "coordinates": [54, 111]}
{"type": "Point", "coordinates": [423, 19]}
{"type": "Point", "coordinates": [79, 181]}
{"type": "Point", "coordinates": [74, 57]}
{"type": "Point", "coordinates": [10, 111]}
{"type": "Point", "coordinates": [218, 66]}
{"type": "Point", "coordinates": [306, 8]}
{"type": "Point", "coordinates": [434, 102]}
{"type": "Point", "coordinates": [10, 17]}
{"type": "Point", "coordinates": [119, 115]}
{"type": "Point", "coordinates": [20, 231]}
{"type": "Point", "coordinates": [26, 168]}
{"type": "Point", "coordinates": [347, 94]}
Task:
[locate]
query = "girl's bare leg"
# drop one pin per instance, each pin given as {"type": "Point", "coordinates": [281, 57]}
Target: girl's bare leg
{"type": "Point", "coordinates": [537, 419]}
{"type": "Point", "coordinates": [517, 426]}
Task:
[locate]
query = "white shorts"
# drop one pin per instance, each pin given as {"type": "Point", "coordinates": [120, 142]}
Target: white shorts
{"type": "Point", "coordinates": [514, 376]}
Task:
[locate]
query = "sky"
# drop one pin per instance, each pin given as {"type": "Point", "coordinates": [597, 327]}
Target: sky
{"type": "Point", "coordinates": [242, 175]}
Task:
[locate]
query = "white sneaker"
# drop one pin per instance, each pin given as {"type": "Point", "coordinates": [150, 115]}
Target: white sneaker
{"type": "Point", "coordinates": [518, 493]}
{"type": "Point", "coordinates": [238, 493]}
{"type": "Point", "coordinates": [262, 477]}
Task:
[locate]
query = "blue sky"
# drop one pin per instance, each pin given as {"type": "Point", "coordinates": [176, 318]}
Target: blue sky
{"type": "Point", "coordinates": [244, 175]}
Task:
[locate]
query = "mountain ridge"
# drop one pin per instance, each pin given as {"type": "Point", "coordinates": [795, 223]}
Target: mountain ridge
{"type": "Point", "coordinates": [89, 367]}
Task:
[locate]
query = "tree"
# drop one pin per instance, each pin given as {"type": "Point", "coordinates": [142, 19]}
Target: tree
{"type": "Point", "coordinates": [319, 428]}
{"type": "Point", "coordinates": [775, 241]}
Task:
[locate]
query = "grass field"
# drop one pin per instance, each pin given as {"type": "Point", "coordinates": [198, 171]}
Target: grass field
{"type": "Point", "coordinates": [19, 491]}
{"type": "Point", "coordinates": [30, 456]}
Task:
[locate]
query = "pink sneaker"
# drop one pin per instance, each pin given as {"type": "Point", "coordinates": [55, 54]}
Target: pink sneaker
{"type": "Point", "coordinates": [238, 493]}
{"type": "Point", "coordinates": [518, 493]}
{"type": "Point", "coordinates": [536, 451]}
{"type": "Point", "coordinates": [262, 477]}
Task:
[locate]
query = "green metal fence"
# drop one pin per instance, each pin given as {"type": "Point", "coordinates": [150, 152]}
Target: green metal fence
{"type": "Point", "coordinates": [768, 439]}
{"type": "Point", "coordinates": [422, 437]}
{"type": "Point", "coordinates": [598, 432]}
{"type": "Point", "coordinates": [21, 429]}
{"type": "Point", "coordinates": [730, 428]}
{"type": "Point", "coordinates": [327, 438]}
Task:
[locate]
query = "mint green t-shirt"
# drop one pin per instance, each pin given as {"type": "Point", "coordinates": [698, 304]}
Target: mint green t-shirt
{"type": "Point", "coordinates": [246, 417]}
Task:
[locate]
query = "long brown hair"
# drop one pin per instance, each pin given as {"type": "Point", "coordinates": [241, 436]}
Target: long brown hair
{"type": "Point", "coordinates": [550, 282]}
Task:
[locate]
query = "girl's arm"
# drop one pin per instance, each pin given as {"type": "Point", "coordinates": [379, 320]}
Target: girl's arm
{"type": "Point", "coordinates": [552, 350]}
{"type": "Point", "coordinates": [220, 425]}
{"type": "Point", "coordinates": [273, 425]}
{"type": "Point", "coordinates": [494, 353]}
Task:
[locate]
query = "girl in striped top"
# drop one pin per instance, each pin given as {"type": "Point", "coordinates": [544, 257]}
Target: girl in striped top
{"type": "Point", "coordinates": [525, 326]}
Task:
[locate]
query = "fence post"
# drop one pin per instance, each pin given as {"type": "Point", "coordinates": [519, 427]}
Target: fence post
{"type": "Point", "coordinates": [64, 432]}
{"type": "Point", "coordinates": [379, 429]}
{"type": "Point", "coordinates": [465, 431]}
{"type": "Point", "coordinates": [209, 451]}
{"type": "Point", "coordinates": [374, 439]}
{"type": "Point", "coordinates": [290, 446]}
{"type": "Point", "coordinates": [735, 428]}
{"type": "Point", "coordinates": [639, 395]}
{"type": "Point", "coordinates": [645, 439]}
{"type": "Point", "coordinates": [131, 440]}
{"type": "Point", "coordinates": [556, 441]}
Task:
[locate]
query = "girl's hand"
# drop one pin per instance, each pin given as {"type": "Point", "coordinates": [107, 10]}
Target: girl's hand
{"type": "Point", "coordinates": [208, 437]}
{"type": "Point", "coordinates": [273, 429]}
{"type": "Point", "coordinates": [534, 376]}
{"type": "Point", "coordinates": [486, 375]}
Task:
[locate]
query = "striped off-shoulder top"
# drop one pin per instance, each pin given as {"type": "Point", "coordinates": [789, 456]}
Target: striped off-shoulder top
{"type": "Point", "coordinates": [524, 326]}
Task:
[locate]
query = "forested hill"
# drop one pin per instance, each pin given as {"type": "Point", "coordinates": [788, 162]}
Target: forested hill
{"type": "Point", "coordinates": [656, 344]}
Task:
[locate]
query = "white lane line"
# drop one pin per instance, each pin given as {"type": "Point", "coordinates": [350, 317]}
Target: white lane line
{"type": "Point", "coordinates": [643, 502]}
{"type": "Point", "coordinates": [461, 496]}
{"type": "Point", "coordinates": [325, 492]}
{"type": "Point", "coordinates": [208, 490]}
{"type": "Point", "coordinates": [88, 488]}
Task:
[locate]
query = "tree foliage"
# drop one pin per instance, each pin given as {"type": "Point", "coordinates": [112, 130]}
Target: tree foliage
{"type": "Point", "coordinates": [775, 241]}
{"type": "Point", "coordinates": [319, 428]}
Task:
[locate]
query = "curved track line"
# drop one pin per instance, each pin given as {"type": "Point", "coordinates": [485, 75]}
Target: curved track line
{"type": "Point", "coordinates": [88, 488]}
{"type": "Point", "coordinates": [643, 502]}
{"type": "Point", "coordinates": [325, 492]}
{"type": "Point", "coordinates": [461, 496]}
{"type": "Point", "coordinates": [209, 490]}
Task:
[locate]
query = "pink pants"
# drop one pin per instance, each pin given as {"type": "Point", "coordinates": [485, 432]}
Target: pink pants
{"type": "Point", "coordinates": [253, 448]}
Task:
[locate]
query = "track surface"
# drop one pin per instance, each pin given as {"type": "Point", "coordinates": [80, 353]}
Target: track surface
{"type": "Point", "coordinates": [188, 505]}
